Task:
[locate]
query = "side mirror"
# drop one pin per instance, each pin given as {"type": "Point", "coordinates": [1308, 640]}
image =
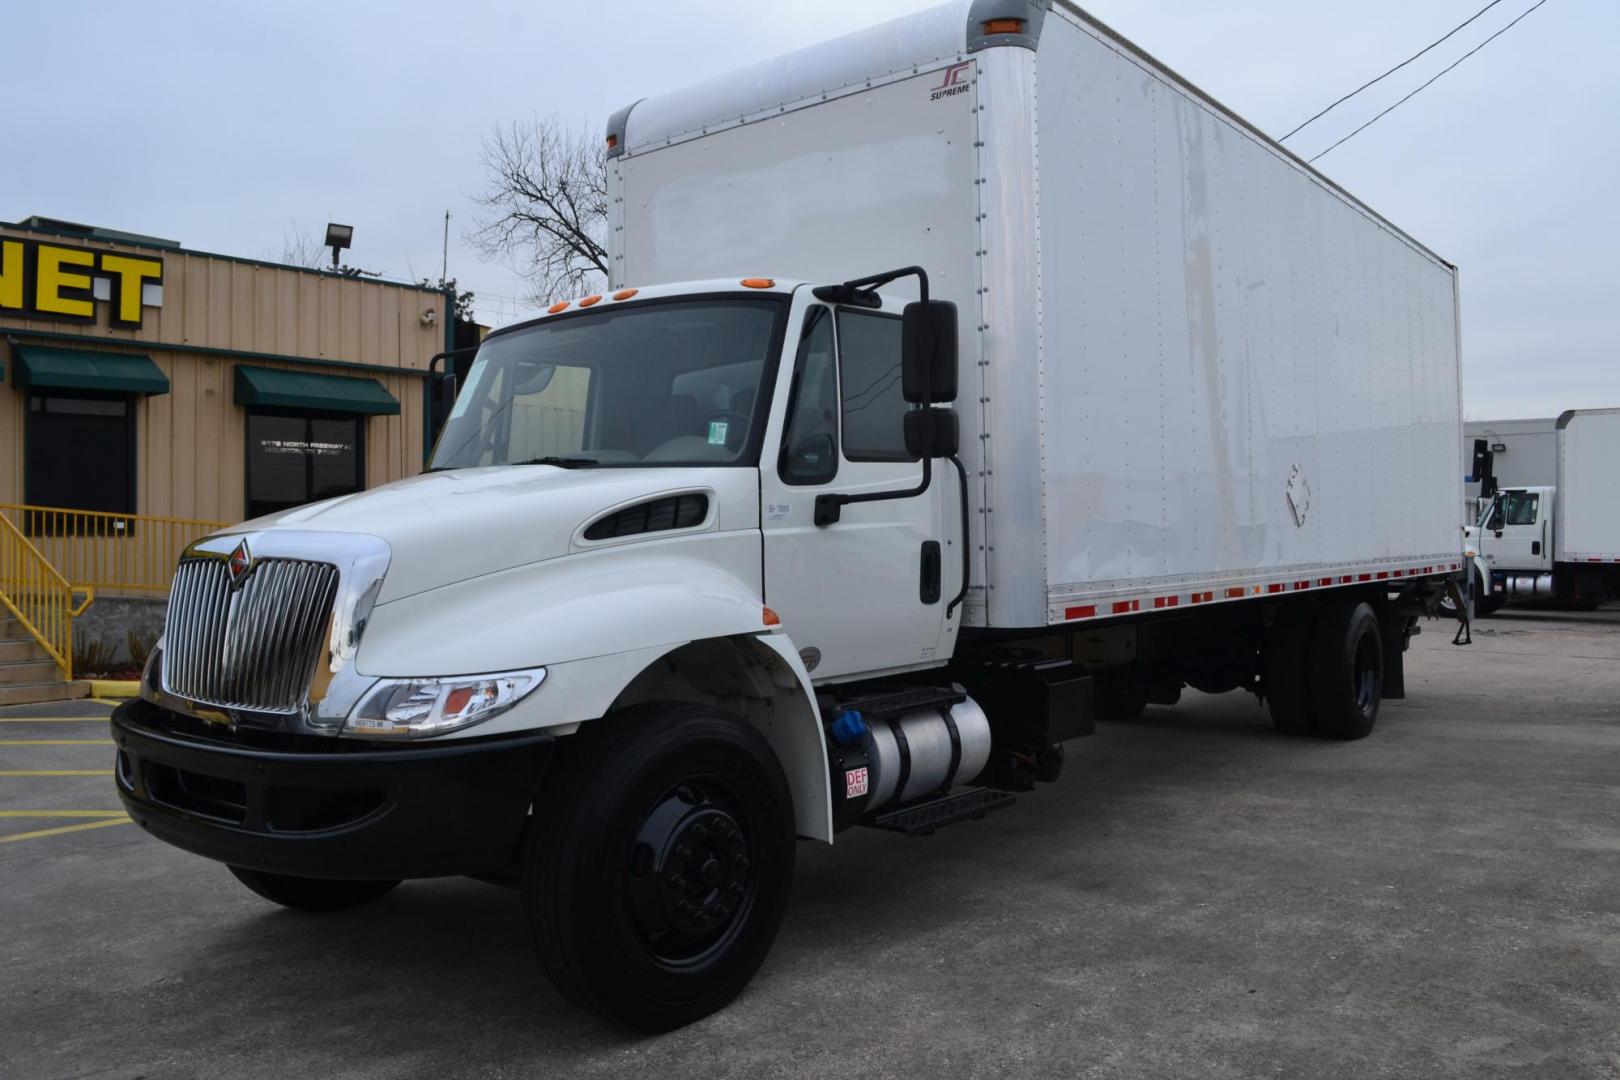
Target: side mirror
{"type": "Point", "coordinates": [932, 433]}
{"type": "Point", "coordinates": [928, 352]}
{"type": "Point", "coordinates": [443, 400]}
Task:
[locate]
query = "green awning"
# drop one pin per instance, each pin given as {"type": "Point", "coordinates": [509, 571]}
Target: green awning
{"type": "Point", "coordinates": [277, 389]}
{"type": "Point", "coordinates": [76, 369]}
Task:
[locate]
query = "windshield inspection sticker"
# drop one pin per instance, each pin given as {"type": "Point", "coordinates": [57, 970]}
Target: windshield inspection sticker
{"type": "Point", "coordinates": [717, 432]}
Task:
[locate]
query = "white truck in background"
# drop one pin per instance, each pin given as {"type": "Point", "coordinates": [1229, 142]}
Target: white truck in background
{"type": "Point", "coordinates": [1557, 539]}
{"type": "Point", "coordinates": [1049, 421]}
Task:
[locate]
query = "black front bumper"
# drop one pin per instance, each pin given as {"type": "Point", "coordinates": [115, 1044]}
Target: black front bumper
{"type": "Point", "coordinates": [407, 812]}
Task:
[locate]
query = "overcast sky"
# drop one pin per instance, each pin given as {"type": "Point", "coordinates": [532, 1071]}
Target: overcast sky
{"type": "Point", "coordinates": [223, 125]}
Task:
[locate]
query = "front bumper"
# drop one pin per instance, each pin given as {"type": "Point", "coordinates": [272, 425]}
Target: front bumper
{"type": "Point", "coordinates": [332, 812]}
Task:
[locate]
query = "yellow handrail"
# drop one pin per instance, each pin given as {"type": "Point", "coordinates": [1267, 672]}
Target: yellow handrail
{"type": "Point", "coordinates": [113, 553]}
{"type": "Point", "coordinates": [37, 595]}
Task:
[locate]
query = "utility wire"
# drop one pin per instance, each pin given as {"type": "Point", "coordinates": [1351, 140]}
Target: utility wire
{"type": "Point", "coordinates": [1390, 72]}
{"type": "Point", "coordinates": [1414, 93]}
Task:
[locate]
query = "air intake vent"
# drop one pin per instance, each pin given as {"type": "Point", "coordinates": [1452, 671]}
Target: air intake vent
{"type": "Point", "coordinates": [659, 515]}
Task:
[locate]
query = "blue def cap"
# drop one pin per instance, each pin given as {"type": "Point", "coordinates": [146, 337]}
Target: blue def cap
{"type": "Point", "coordinates": [849, 728]}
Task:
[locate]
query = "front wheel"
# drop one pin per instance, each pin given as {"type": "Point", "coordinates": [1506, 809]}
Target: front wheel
{"type": "Point", "coordinates": [659, 866]}
{"type": "Point", "coordinates": [311, 894]}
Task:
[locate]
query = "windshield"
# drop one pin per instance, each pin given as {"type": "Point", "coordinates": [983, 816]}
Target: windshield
{"type": "Point", "coordinates": [649, 384]}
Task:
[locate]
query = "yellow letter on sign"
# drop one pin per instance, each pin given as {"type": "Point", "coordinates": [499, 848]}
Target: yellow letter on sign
{"type": "Point", "coordinates": [11, 274]}
{"type": "Point", "coordinates": [55, 286]}
{"type": "Point", "coordinates": [128, 275]}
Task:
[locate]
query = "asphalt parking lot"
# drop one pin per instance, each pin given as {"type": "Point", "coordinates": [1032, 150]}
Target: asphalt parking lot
{"type": "Point", "coordinates": [1198, 896]}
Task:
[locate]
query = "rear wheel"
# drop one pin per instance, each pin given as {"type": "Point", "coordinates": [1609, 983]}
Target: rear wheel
{"type": "Point", "coordinates": [311, 894]}
{"type": "Point", "coordinates": [659, 869]}
{"type": "Point", "coordinates": [1347, 670]}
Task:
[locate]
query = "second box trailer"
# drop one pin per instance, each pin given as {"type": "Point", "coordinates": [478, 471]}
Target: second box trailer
{"type": "Point", "coordinates": [960, 379]}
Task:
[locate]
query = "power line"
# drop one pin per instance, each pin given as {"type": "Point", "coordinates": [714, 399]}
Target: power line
{"type": "Point", "coordinates": [1414, 93]}
{"type": "Point", "coordinates": [1390, 72]}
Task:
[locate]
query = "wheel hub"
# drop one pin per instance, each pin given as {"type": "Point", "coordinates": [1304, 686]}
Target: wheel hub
{"type": "Point", "coordinates": [691, 873]}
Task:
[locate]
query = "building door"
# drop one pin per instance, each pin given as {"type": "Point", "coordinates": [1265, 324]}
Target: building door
{"type": "Point", "coordinates": [298, 458]}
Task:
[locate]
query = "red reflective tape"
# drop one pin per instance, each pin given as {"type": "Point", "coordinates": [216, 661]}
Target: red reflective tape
{"type": "Point", "coordinates": [1080, 612]}
{"type": "Point", "coordinates": [1122, 606]}
{"type": "Point", "coordinates": [1362, 577]}
{"type": "Point", "coordinates": [1302, 584]}
{"type": "Point", "coordinates": [1275, 587]}
{"type": "Point", "coordinates": [1398, 573]}
{"type": "Point", "coordinates": [1175, 601]}
{"type": "Point", "coordinates": [1234, 592]}
{"type": "Point", "coordinates": [1382, 574]}
{"type": "Point", "coordinates": [1324, 581]}
{"type": "Point", "coordinates": [1161, 601]}
{"type": "Point", "coordinates": [1202, 597]}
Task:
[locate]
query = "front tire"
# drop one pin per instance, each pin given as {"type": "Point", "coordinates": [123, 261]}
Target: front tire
{"type": "Point", "coordinates": [659, 867]}
{"type": "Point", "coordinates": [1285, 671]}
{"type": "Point", "coordinates": [311, 894]}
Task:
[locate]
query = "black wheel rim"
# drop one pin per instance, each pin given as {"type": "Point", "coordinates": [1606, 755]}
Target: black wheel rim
{"type": "Point", "coordinates": [693, 878]}
{"type": "Point", "coordinates": [1365, 679]}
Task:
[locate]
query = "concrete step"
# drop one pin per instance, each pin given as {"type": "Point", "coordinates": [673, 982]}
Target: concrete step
{"type": "Point", "coordinates": [20, 648]}
{"type": "Point", "coordinates": [36, 693]}
{"type": "Point", "coordinates": [21, 672]}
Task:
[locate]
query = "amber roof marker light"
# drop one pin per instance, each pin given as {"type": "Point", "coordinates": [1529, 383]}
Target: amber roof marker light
{"type": "Point", "coordinates": [1004, 26]}
{"type": "Point", "coordinates": [625, 294]}
{"type": "Point", "coordinates": [758, 283]}
{"type": "Point", "coordinates": [560, 305]}
{"type": "Point", "coordinates": [589, 300]}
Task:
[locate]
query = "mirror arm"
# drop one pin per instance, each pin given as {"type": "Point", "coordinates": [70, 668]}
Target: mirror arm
{"type": "Point", "coordinates": [830, 507]}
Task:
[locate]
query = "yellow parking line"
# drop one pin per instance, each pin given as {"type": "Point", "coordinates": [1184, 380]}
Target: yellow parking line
{"type": "Point", "coordinates": [56, 742]}
{"type": "Point", "coordinates": [114, 701]}
{"type": "Point", "coordinates": [36, 834]}
{"type": "Point", "coordinates": [55, 772]}
{"type": "Point", "coordinates": [53, 719]}
{"type": "Point", "coordinates": [61, 813]}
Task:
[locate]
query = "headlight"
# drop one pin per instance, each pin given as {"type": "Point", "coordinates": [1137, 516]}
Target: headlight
{"type": "Point", "coordinates": [412, 708]}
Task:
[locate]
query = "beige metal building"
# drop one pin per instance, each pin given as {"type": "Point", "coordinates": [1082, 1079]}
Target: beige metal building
{"type": "Point", "coordinates": [149, 392]}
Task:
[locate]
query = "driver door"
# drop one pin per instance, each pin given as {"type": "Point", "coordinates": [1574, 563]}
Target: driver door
{"type": "Point", "coordinates": [1516, 535]}
{"type": "Point", "coordinates": [867, 593]}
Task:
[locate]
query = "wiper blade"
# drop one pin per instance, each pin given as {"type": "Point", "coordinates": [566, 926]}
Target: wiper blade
{"type": "Point", "coordinates": [560, 462]}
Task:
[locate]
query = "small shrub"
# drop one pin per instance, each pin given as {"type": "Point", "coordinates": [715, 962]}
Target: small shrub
{"type": "Point", "coordinates": [140, 646]}
{"type": "Point", "coordinates": [93, 657]}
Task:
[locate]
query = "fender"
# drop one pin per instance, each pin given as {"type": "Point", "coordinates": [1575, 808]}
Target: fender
{"type": "Point", "coordinates": [598, 620]}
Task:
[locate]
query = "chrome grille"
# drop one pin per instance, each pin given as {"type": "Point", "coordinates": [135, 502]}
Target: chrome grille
{"type": "Point", "coordinates": [253, 647]}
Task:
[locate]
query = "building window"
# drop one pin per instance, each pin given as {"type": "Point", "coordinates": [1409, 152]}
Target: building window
{"type": "Point", "coordinates": [79, 453]}
{"type": "Point", "coordinates": [297, 458]}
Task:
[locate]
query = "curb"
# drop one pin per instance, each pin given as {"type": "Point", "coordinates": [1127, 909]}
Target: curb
{"type": "Point", "coordinates": [114, 688]}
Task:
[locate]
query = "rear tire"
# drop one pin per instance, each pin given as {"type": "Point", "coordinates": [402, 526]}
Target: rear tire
{"type": "Point", "coordinates": [311, 894]}
{"type": "Point", "coordinates": [660, 866]}
{"type": "Point", "coordinates": [1285, 672]}
{"type": "Point", "coordinates": [1347, 670]}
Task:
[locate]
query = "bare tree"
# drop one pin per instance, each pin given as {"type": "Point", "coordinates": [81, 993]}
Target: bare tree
{"type": "Point", "coordinates": [545, 206]}
{"type": "Point", "coordinates": [298, 247]}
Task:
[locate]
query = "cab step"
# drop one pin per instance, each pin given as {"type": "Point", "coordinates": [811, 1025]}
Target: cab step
{"type": "Point", "coordinates": [922, 818]}
{"type": "Point", "coordinates": [905, 699]}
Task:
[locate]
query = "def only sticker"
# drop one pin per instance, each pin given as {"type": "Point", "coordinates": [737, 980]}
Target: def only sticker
{"type": "Point", "coordinates": [855, 782]}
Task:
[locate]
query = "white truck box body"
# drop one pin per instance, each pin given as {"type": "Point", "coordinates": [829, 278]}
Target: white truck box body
{"type": "Point", "coordinates": [1588, 519]}
{"type": "Point", "coordinates": [1193, 368]}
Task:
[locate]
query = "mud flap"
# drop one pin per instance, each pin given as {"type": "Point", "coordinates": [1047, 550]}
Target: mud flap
{"type": "Point", "coordinates": [1394, 628]}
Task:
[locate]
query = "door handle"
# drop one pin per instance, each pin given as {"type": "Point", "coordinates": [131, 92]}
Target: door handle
{"type": "Point", "coordinates": [928, 590]}
{"type": "Point", "coordinates": [1535, 547]}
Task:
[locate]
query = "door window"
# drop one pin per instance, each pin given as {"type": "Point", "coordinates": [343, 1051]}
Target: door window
{"type": "Point", "coordinates": [874, 405]}
{"type": "Point", "coordinates": [297, 458]}
{"type": "Point", "coordinates": [810, 441]}
{"type": "Point", "coordinates": [1521, 507]}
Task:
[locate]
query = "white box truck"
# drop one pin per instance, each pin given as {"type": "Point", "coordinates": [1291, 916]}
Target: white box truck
{"type": "Point", "coordinates": [1557, 538]}
{"type": "Point", "coordinates": [960, 379]}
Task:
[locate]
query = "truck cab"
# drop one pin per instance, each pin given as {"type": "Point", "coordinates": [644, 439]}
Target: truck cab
{"type": "Point", "coordinates": [1515, 530]}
